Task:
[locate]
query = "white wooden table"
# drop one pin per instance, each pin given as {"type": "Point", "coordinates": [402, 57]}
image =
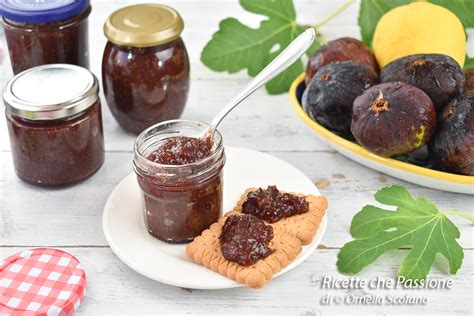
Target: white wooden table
{"type": "Point", "coordinates": [70, 218]}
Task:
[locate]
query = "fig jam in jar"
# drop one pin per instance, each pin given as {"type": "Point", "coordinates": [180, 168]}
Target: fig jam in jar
{"type": "Point", "coordinates": [179, 200]}
{"type": "Point", "coordinates": [46, 32]}
{"type": "Point", "coordinates": [55, 124]}
{"type": "Point", "coordinates": [145, 67]}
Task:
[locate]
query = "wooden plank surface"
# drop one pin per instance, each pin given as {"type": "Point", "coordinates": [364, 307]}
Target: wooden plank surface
{"type": "Point", "coordinates": [70, 218]}
{"type": "Point", "coordinates": [115, 289]}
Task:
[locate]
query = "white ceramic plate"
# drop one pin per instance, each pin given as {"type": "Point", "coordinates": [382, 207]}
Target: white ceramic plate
{"type": "Point", "coordinates": [126, 234]}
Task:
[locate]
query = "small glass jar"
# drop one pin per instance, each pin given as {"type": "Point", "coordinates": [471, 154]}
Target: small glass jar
{"type": "Point", "coordinates": [55, 124]}
{"type": "Point", "coordinates": [145, 67]}
{"type": "Point", "coordinates": [179, 201]}
{"type": "Point", "coordinates": [46, 32]}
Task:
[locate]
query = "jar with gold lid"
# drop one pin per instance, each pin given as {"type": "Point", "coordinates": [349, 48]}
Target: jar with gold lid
{"type": "Point", "coordinates": [145, 67]}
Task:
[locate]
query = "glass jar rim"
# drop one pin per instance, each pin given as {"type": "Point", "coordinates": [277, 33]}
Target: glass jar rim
{"type": "Point", "coordinates": [141, 159]}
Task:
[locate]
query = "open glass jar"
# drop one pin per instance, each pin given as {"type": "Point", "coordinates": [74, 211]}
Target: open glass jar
{"type": "Point", "coordinates": [46, 32]}
{"type": "Point", "coordinates": [55, 124]}
{"type": "Point", "coordinates": [179, 201]}
{"type": "Point", "coordinates": [145, 67]}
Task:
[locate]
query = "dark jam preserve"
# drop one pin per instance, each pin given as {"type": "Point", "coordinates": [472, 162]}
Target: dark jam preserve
{"type": "Point", "coordinates": [145, 67]}
{"type": "Point", "coordinates": [271, 205]}
{"type": "Point", "coordinates": [181, 150]}
{"type": "Point", "coordinates": [244, 239]}
{"type": "Point", "coordinates": [46, 32]}
{"type": "Point", "coordinates": [55, 124]}
{"type": "Point", "coordinates": [181, 179]}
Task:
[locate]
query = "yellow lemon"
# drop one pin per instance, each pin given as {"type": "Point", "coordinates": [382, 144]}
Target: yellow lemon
{"type": "Point", "coordinates": [419, 28]}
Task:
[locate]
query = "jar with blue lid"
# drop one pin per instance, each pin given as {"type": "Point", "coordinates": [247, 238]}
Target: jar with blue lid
{"type": "Point", "coordinates": [46, 32]}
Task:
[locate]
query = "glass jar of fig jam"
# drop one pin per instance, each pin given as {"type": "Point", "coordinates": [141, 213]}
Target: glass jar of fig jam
{"type": "Point", "coordinates": [55, 124]}
{"type": "Point", "coordinates": [46, 32]}
{"type": "Point", "coordinates": [145, 67]}
{"type": "Point", "coordinates": [179, 200]}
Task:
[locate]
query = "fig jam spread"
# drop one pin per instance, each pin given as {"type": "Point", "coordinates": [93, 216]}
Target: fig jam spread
{"type": "Point", "coordinates": [244, 239]}
{"type": "Point", "coordinates": [182, 191]}
{"type": "Point", "coordinates": [178, 214]}
{"type": "Point", "coordinates": [55, 124]}
{"type": "Point", "coordinates": [145, 68]}
{"type": "Point", "coordinates": [145, 85]}
{"type": "Point", "coordinates": [271, 205]}
{"type": "Point", "coordinates": [59, 152]}
{"type": "Point", "coordinates": [43, 33]}
{"type": "Point", "coordinates": [181, 150]}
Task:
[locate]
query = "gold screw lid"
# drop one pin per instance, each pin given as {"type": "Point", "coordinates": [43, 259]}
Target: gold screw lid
{"type": "Point", "coordinates": [143, 25]}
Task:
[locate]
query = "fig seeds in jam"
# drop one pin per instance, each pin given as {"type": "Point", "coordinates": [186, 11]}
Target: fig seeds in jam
{"type": "Point", "coordinates": [181, 179]}
{"type": "Point", "coordinates": [244, 239]}
{"type": "Point", "coordinates": [181, 150]}
{"type": "Point", "coordinates": [271, 205]}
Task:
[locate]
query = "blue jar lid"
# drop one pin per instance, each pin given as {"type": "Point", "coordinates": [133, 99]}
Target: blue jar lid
{"type": "Point", "coordinates": [44, 11]}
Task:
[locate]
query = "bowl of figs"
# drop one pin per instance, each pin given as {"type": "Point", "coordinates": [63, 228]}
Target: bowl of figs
{"type": "Point", "coordinates": [412, 119]}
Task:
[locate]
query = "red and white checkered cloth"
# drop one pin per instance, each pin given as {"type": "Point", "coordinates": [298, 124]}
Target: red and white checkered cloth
{"type": "Point", "coordinates": [41, 281]}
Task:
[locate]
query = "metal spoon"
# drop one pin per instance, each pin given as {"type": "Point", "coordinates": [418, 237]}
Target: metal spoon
{"type": "Point", "coordinates": [286, 58]}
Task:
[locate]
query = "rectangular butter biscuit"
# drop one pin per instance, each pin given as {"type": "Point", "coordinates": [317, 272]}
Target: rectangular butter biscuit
{"type": "Point", "coordinates": [205, 250]}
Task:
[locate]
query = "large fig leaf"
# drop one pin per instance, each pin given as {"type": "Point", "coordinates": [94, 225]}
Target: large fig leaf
{"type": "Point", "coordinates": [236, 46]}
{"type": "Point", "coordinates": [416, 222]}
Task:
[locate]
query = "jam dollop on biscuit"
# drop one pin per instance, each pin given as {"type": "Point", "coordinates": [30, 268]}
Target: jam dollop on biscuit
{"type": "Point", "coordinates": [271, 205]}
{"type": "Point", "coordinates": [244, 239]}
{"type": "Point", "coordinates": [181, 150]}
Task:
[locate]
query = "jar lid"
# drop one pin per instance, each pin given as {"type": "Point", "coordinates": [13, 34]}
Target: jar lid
{"type": "Point", "coordinates": [143, 25]}
{"type": "Point", "coordinates": [41, 281]}
{"type": "Point", "coordinates": [50, 92]}
{"type": "Point", "coordinates": [43, 11]}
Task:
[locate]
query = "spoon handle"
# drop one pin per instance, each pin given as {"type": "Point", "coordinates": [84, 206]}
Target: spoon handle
{"type": "Point", "coordinates": [286, 58]}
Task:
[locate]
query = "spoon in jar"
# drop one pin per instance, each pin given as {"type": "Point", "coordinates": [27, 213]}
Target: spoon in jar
{"type": "Point", "coordinates": [284, 60]}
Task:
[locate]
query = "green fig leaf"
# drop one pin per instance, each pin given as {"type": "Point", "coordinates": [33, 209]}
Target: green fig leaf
{"type": "Point", "coordinates": [236, 46]}
{"type": "Point", "coordinates": [416, 222]}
